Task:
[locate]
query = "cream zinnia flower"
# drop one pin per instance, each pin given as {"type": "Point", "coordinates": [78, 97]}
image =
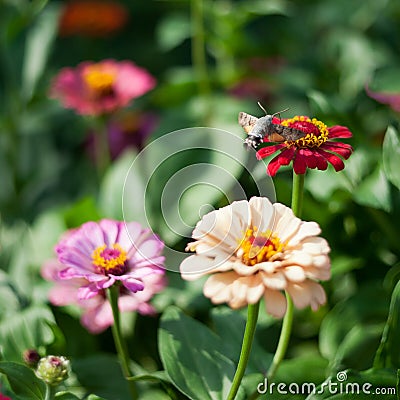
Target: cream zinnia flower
{"type": "Point", "coordinates": [253, 249]}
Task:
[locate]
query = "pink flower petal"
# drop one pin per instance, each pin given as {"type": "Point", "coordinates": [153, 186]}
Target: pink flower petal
{"type": "Point", "coordinates": [134, 285]}
{"type": "Point", "coordinates": [110, 231]}
{"type": "Point", "coordinates": [275, 303]}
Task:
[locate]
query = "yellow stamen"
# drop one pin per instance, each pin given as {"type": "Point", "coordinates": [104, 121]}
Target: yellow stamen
{"type": "Point", "coordinates": [109, 258]}
{"type": "Point", "coordinates": [259, 247]}
{"type": "Point", "coordinates": [310, 139]}
{"type": "Point", "coordinates": [98, 80]}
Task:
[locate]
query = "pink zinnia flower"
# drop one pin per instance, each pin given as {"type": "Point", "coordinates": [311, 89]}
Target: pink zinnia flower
{"type": "Point", "coordinates": [102, 254]}
{"type": "Point", "coordinates": [254, 249]}
{"type": "Point", "coordinates": [100, 88]}
{"type": "Point", "coordinates": [314, 150]}
{"type": "Point", "coordinates": [96, 312]}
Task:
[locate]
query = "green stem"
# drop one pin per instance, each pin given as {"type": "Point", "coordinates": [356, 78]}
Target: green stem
{"type": "Point", "coordinates": [283, 339]}
{"type": "Point", "coordinates": [297, 194]}
{"type": "Point", "coordinates": [50, 392]}
{"type": "Point", "coordinates": [252, 316]}
{"type": "Point", "coordinates": [120, 345]}
{"type": "Point", "coordinates": [199, 59]}
{"type": "Point", "coordinates": [102, 149]}
{"type": "Point", "coordinates": [297, 204]}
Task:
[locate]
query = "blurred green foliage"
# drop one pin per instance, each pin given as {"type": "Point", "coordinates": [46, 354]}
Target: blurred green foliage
{"type": "Point", "coordinates": [211, 59]}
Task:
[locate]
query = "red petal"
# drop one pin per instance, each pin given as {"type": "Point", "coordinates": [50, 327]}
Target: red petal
{"type": "Point", "coordinates": [311, 158]}
{"type": "Point", "coordinates": [339, 131]}
{"type": "Point", "coordinates": [282, 158]}
{"type": "Point", "coordinates": [300, 163]}
{"type": "Point", "coordinates": [273, 166]}
{"type": "Point", "coordinates": [336, 161]}
{"type": "Point", "coordinates": [343, 151]}
{"type": "Point", "coordinates": [267, 151]}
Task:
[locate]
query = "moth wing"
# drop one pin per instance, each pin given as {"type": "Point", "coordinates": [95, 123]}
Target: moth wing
{"type": "Point", "coordinates": [292, 134]}
{"type": "Point", "coordinates": [247, 121]}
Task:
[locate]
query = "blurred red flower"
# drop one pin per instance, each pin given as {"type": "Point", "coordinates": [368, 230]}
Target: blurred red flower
{"type": "Point", "coordinates": [100, 88]}
{"type": "Point", "coordinates": [92, 18]}
{"type": "Point", "coordinates": [314, 150]}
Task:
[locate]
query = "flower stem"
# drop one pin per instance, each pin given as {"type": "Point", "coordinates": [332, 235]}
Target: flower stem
{"type": "Point", "coordinates": [252, 316]}
{"type": "Point", "coordinates": [199, 59]}
{"type": "Point", "coordinates": [297, 194]}
{"type": "Point", "coordinates": [50, 392]}
{"type": "Point", "coordinates": [120, 345]}
{"type": "Point", "coordinates": [297, 204]}
{"type": "Point", "coordinates": [283, 339]}
{"type": "Point", "coordinates": [101, 146]}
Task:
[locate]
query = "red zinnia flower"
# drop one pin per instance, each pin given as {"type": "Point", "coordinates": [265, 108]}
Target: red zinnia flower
{"type": "Point", "coordinates": [92, 18]}
{"type": "Point", "coordinates": [314, 150]}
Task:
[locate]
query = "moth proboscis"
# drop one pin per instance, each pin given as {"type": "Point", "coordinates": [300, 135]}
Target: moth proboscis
{"type": "Point", "coordinates": [258, 128]}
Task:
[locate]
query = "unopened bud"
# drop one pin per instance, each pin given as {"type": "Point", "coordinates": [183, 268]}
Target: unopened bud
{"type": "Point", "coordinates": [53, 369]}
{"type": "Point", "coordinates": [31, 357]}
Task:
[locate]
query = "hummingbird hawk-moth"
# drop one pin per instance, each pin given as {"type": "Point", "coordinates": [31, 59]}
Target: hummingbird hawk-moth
{"type": "Point", "coordinates": [258, 128]}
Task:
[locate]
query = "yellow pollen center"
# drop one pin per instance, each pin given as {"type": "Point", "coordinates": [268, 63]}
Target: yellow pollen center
{"type": "Point", "coordinates": [258, 247]}
{"type": "Point", "coordinates": [311, 139]}
{"type": "Point", "coordinates": [98, 80]}
{"type": "Point", "coordinates": [109, 258]}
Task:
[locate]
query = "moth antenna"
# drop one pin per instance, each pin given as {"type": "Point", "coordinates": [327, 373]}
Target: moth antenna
{"type": "Point", "coordinates": [262, 108]}
{"type": "Point", "coordinates": [279, 113]}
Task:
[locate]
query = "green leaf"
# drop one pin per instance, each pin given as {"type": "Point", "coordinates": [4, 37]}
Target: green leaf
{"type": "Point", "coordinates": [23, 381]}
{"type": "Point", "coordinates": [173, 30]}
{"type": "Point", "coordinates": [123, 184]}
{"type": "Point", "coordinates": [38, 44]}
{"type": "Point", "coordinates": [193, 357]}
{"type": "Point", "coordinates": [230, 325]}
{"type": "Point", "coordinates": [28, 329]}
{"type": "Point", "coordinates": [101, 375]}
{"type": "Point", "coordinates": [350, 385]}
{"type": "Point", "coordinates": [386, 80]}
{"type": "Point", "coordinates": [367, 307]}
{"type": "Point", "coordinates": [304, 368]}
{"type": "Point", "coordinates": [66, 396]}
{"type": "Point", "coordinates": [388, 354]}
{"type": "Point", "coordinates": [153, 376]}
{"type": "Point", "coordinates": [9, 302]}
{"type": "Point", "coordinates": [391, 156]}
{"type": "Point", "coordinates": [80, 212]}
{"type": "Point", "coordinates": [374, 191]}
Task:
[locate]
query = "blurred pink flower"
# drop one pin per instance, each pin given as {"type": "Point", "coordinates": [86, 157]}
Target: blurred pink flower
{"type": "Point", "coordinates": [96, 311]}
{"type": "Point", "coordinates": [391, 99]}
{"type": "Point", "coordinates": [108, 252]}
{"type": "Point", "coordinates": [100, 88]}
{"type": "Point", "coordinates": [4, 397]}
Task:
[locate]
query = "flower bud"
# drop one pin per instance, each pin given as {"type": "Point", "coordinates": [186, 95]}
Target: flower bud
{"type": "Point", "coordinates": [53, 369]}
{"type": "Point", "coordinates": [31, 357]}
